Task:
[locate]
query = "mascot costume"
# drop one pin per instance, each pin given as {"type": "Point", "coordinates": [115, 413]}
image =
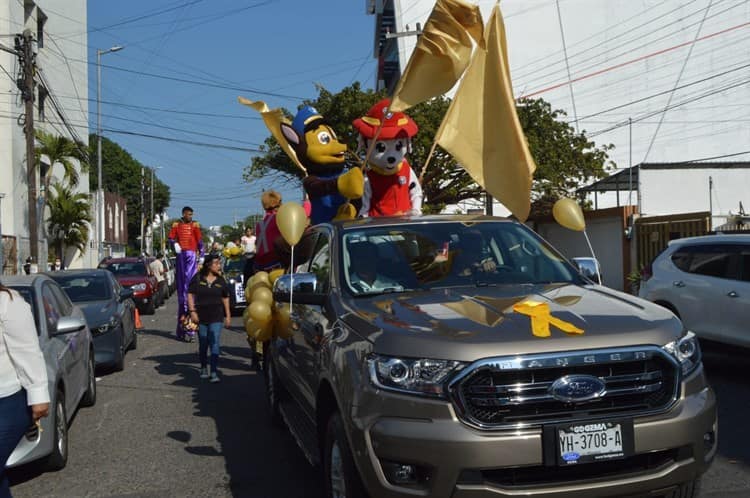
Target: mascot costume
{"type": "Point", "coordinates": [185, 237]}
{"type": "Point", "coordinates": [327, 184]}
{"type": "Point", "coordinates": [391, 186]}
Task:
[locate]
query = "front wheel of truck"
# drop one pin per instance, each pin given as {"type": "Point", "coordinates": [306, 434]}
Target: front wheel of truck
{"type": "Point", "coordinates": [687, 490]}
{"type": "Point", "coordinates": [340, 472]}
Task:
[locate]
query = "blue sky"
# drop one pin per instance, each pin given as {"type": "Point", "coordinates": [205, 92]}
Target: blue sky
{"type": "Point", "coordinates": [274, 50]}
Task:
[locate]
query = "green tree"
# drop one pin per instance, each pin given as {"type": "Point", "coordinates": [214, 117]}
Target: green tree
{"type": "Point", "coordinates": [53, 149]}
{"type": "Point", "coordinates": [565, 159]}
{"type": "Point", "coordinates": [69, 219]}
{"type": "Point", "coordinates": [121, 174]}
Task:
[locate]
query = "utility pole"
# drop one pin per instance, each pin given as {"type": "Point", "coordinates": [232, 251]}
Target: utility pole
{"type": "Point", "coordinates": [143, 211]}
{"type": "Point", "coordinates": [151, 219]}
{"type": "Point", "coordinates": [2, 248]}
{"type": "Point", "coordinates": [27, 60]}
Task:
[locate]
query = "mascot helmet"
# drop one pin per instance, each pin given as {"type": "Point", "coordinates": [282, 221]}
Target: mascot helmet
{"type": "Point", "coordinates": [395, 124]}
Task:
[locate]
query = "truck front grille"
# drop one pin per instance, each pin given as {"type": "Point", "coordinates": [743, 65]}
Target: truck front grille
{"type": "Point", "coordinates": [516, 391]}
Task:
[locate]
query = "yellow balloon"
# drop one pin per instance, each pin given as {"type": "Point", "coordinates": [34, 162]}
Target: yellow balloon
{"type": "Point", "coordinates": [292, 220]}
{"type": "Point", "coordinates": [262, 295]}
{"type": "Point", "coordinates": [283, 322]}
{"type": "Point", "coordinates": [568, 213]}
{"type": "Point", "coordinates": [245, 314]}
{"type": "Point", "coordinates": [275, 274]}
{"type": "Point", "coordinates": [250, 327]}
{"type": "Point", "coordinates": [260, 313]}
{"type": "Point", "coordinates": [264, 333]}
{"type": "Point", "coordinates": [261, 276]}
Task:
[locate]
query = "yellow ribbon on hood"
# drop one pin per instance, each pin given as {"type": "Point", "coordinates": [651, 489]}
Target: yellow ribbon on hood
{"type": "Point", "coordinates": [541, 319]}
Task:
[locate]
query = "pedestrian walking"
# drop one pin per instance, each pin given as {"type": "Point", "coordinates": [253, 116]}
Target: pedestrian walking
{"type": "Point", "coordinates": [208, 302]}
{"type": "Point", "coordinates": [24, 397]}
{"type": "Point", "coordinates": [187, 241]}
{"type": "Point", "coordinates": [157, 269]}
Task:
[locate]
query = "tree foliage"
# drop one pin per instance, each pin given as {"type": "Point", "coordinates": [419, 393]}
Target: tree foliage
{"type": "Point", "coordinates": [121, 174]}
{"type": "Point", "coordinates": [69, 219]}
{"type": "Point", "coordinates": [565, 159]}
{"type": "Point", "coordinates": [54, 149]}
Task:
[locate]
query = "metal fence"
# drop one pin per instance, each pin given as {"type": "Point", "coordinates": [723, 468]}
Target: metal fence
{"type": "Point", "coordinates": [654, 232]}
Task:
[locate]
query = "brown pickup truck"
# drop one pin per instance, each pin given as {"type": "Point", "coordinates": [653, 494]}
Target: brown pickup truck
{"type": "Point", "coordinates": [463, 356]}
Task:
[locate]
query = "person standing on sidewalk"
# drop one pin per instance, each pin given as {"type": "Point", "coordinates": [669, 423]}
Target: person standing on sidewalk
{"type": "Point", "coordinates": [187, 241]}
{"type": "Point", "coordinates": [208, 302]}
{"type": "Point", "coordinates": [24, 397]}
{"type": "Point", "coordinates": [157, 268]}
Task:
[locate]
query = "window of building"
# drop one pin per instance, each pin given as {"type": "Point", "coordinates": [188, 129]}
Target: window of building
{"type": "Point", "coordinates": [41, 19]}
{"type": "Point", "coordinates": [42, 100]}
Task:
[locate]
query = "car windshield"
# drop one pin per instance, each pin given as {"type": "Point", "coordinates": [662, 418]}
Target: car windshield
{"type": "Point", "coordinates": [82, 288]}
{"type": "Point", "coordinates": [234, 265]}
{"type": "Point", "coordinates": [448, 254]}
{"type": "Point", "coordinates": [126, 269]}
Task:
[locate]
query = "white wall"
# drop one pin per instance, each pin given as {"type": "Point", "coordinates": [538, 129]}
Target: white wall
{"type": "Point", "coordinates": [603, 34]}
{"type": "Point", "coordinates": [62, 62]}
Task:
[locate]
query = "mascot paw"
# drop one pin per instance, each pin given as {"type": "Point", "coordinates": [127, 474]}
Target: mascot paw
{"type": "Point", "coordinates": [346, 212]}
{"type": "Point", "coordinates": [351, 184]}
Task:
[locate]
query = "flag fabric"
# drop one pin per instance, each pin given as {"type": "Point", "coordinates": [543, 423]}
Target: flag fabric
{"type": "Point", "coordinates": [442, 53]}
{"type": "Point", "coordinates": [481, 129]}
{"type": "Point", "coordinates": [273, 119]}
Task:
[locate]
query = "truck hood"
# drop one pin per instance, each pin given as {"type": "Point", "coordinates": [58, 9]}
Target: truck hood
{"type": "Point", "coordinates": [469, 323]}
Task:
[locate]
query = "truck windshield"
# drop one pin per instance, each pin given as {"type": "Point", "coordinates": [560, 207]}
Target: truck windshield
{"type": "Point", "coordinates": [448, 254]}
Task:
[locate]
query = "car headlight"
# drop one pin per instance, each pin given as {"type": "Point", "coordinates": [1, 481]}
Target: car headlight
{"type": "Point", "coordinates": [687, 351]}
{"type": "Point", "coordinates": [411, 375]}
{"type": "Point", "coordinates": [139, 287]}
{"type": "Point", "coordinates": [112, 323]}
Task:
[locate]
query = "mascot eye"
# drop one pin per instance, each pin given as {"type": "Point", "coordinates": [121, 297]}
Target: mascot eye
{"type": "Point", "coordinates": [399, 145]}
{"type": "Point", "coordinates": [324, 137]}
{"type": "Point", "coordinates": [380, 147]}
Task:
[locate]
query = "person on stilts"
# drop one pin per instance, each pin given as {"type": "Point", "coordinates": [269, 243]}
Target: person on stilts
{"type": "Point", "coordinates": [185, 236]}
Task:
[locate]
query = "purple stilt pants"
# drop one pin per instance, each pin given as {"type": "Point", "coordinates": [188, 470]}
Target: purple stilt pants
{"type": "Point", "coordinates": [187, 266]}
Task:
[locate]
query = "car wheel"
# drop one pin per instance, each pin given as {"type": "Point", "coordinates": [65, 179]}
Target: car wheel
{"type": "Point", "coordinates": [119, 363]}
{"type": "Point", "coordinates": [342, 479]}
{"type": "Point", "coordinates": [669, 306]}
{"type": "Point", "coordinates": [59, 456]}
{"type": "Point", "coordinates": [275, 394]}
{"type": "Point", "coordinates": [134, 341]}
{"type": "Point", "coordinates": [689, 489]}
{"type": "Point", "coordinates": [89, 397]}
{"type": "Point", "coordinates": [150, 307]}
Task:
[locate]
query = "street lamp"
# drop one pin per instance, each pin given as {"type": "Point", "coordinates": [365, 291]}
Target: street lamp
{"type": "Point", "coordinates": [151, 222]}
{"type": "Point", "coordinates": [100, 189]}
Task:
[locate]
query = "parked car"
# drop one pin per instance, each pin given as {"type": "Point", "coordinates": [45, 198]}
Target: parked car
{"type": "Point", "coordinates": [109, 311]}
{"type": "Point", "coordinates": [705, 281]}
{"type": "Point", "coordinates": [133, 273]}
{"type": "Point", "coordinates": [68, 349]}
{"type": "Point", "coordinates": [464, 356]}
{"type": "Point", "coordinates": [169, 273]}
{"type": "Point", "coordinates": [232, 269]}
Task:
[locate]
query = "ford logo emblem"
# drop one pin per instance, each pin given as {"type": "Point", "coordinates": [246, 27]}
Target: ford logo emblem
{"type": "Point", "coordinates": [577, 388]}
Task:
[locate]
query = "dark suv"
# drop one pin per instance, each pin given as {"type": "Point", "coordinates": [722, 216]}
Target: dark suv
{"type": "Point", "coordinates": [133, 273]}
{"type": "Point", "coordinates": [462, 356]}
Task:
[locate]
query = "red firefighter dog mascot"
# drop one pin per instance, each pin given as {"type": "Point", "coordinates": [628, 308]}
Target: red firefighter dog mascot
{"type": "Point", "coordinates": [391, 186]}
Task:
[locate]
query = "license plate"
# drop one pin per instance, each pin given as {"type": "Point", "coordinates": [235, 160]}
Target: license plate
{"type": "Point", "coordinates": [239, 293]}
{"type": "Point", "coordinates": [591, 442]}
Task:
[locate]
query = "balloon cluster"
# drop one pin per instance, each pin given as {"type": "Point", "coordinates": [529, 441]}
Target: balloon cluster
{"type": "Point", "coordinates": [264, 318]}
{"type": "Point", "coordinates": [233, 251]}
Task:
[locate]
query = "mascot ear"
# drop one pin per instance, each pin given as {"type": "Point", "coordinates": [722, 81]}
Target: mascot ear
{"type": "Point", "coordinates": [290, 134]}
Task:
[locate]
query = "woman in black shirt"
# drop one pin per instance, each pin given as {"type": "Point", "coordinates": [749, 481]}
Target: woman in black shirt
{"type": "Point", "coordinates": [208, 302]}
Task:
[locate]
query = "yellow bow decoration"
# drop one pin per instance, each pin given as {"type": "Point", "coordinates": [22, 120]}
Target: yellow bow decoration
{"type": "Point", "coordinates": [541, 319]}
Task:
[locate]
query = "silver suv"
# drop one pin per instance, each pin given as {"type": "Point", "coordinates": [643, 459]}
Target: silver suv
{"type": "Point", "coordinates": [462, 356]}
{"type": "Point", "coordinates": [705, 281]}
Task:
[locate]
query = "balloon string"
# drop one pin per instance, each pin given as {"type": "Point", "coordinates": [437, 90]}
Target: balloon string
{"type": "Point", "coordinates": [596, 261]}
{"type": "Point", "coordinates": [291, 282]}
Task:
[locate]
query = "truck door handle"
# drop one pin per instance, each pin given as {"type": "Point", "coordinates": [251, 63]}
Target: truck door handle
{"type": "Point", "coordinates": [678, 283]}
{"type": "Point", "coordinates": [732, 294]}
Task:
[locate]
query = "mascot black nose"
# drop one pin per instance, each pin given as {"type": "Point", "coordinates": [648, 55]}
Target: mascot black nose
{"type": "Point", "coordinates": [391, 160]}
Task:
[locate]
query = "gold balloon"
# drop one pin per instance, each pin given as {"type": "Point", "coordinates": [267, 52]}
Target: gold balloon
{"type": "Point", "coordinates": [283, 322]}
{"type": "Point", "coordinates": [260, 313]}
{"type": "Point", "coordinates": [251, 288]}
{"type": "Point", "coordinates": [275, 274]}
{"type": "Point", "coordinates": [292, 220]}
{"type": "Point", "coordinates": [245, 313]}
{"type": "Point", "coordinates": [262, 295]}
{"type": "Point", "coordinates": [250, 327]}
{"type": "Point", "coordinates": [264, 333]}
{"type": "Point", "coordinates": [261, 276]}
{"type": "Point", "coordinates": [568, 213]}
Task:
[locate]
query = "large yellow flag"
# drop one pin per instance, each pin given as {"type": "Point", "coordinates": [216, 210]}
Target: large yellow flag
{"type": "Point", "coordinates": [442, 53]}
{"type": "Point", "coordinates": [273, 119]}
{"type": "Point", "coordinates": [481, 128]}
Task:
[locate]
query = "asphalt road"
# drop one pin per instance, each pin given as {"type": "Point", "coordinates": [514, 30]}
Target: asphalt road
{"type": "Point", "coordinates": [158, 430]}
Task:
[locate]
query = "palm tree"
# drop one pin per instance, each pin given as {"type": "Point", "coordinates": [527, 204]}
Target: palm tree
{"type": "Point", "coordinates": [69, 219]}
{"type": "Point", "coordinates": [59, 150]}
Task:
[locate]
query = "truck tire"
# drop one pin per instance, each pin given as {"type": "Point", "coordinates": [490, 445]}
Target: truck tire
{"type": "Point", "coordinates": [689, 489]}
{"type": "Point", "coordinates": [339, 470]}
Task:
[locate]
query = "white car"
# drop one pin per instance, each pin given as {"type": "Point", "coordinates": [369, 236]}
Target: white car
{"type": "Point", "coordinates": [705, 281]}
{"type": "Point", "coordinates": [169, 273]}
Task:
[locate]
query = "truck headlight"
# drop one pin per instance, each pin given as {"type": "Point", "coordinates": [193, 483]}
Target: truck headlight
{"type": "Point", "coordinates": [411, 375]}
{"type": "Point", "coordinates": [687, 351]}
{"type": "Point", "coordinates": [139, 287]}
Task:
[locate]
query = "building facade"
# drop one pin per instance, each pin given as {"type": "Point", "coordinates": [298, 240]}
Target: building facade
{"type": "Point", "coordinates": [59, 32]}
